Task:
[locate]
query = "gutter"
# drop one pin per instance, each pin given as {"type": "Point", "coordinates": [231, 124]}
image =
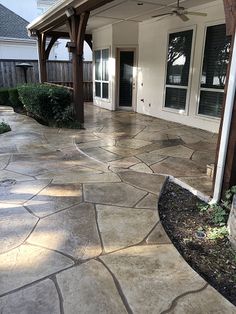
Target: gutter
{"type": "Point", "coordinates": [55, 11]}
{"type": "Point", "coordinates": [229, 105]}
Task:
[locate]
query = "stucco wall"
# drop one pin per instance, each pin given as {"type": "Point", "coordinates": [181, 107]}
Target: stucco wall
{"type": "Point", "coordinates": [102, 39]}
{"type": "Point", "coordinates": [150, 38]}
{"type": "Point", "coordinates": [120, 35]}
{"type": "Point", "coordinates": [153, 40]}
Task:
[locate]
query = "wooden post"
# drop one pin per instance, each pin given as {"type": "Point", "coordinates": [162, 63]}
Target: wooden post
{"type": "Point", "coordinates": [44, 54]}
{"type": "Point", "coordinates": [42, 58]}
{"type": "Point", "coordinates": [77, 26]}
{"type": "Point", "coordinates": [230, 165]}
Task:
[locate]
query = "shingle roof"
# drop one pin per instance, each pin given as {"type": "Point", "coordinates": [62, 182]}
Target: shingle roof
{"type": "Point", "coordinates": [11, 24]}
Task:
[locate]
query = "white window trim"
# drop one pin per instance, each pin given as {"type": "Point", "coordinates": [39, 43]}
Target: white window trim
{"type": "Point", "coordinates": [200, 115]}
{"type": "Point", "coordinates": [188, 87]}
{"type": "Point", "coordinates": [101, 81]}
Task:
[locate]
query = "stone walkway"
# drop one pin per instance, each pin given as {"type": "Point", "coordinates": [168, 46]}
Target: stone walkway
{"type": "Point", "coordinates": [80, 231]}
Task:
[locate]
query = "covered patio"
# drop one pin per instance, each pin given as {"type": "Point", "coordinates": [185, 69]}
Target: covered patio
{"type": "Point", "coordinates": [140, 32]}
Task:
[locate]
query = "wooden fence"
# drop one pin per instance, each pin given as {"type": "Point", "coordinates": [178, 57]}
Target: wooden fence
{"type": "Point", "coordinates": [59, 72]}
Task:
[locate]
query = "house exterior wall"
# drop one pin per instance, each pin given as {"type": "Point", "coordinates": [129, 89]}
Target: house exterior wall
{"type": "Point", "coordinates": [153, 41]}
{"type": "Point", "coordinates": [102, 39]}
{"type": "Point", "coordinates": [120, 35]}
{"type": "Point", "coordinates": [150, 38]}
{"type": "Point", "coordinates": [18, 49]}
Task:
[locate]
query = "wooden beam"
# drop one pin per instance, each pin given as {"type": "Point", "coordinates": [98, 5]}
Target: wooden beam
{"type": "Point", "coordinates": [91, 5]}
{"type": "Point", "coordinates": [230, 16]}
{"type": "Point", "coordinates": [229, 178]}
{"type": "Point", "coordinates": [63, 35]}
{"type": "Point", "coordinates": [76, 27]}
{"type": "Point", "coordinates": [42, 57]}
{"type": "Point", "coordinates": [50, 45]}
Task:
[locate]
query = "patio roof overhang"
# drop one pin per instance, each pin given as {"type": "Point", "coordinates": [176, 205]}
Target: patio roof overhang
{"type": "Point", "coordinates": [104, 12]}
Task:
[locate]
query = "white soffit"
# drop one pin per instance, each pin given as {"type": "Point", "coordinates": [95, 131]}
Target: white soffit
{"type": "Point", "coordinates": [118, 11]}
{"type": "Point", "coordinates": [131, 10]}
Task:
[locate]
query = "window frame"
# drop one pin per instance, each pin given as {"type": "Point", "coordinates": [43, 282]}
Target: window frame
{"type": "Point", "coordinates": [188, 87]}
{"type": "Point", "coordinates": [207, 89]}
{"type": "Point", "coordinates": [101, 81]}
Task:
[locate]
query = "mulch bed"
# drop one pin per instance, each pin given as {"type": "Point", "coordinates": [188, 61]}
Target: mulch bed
{"type": "Point", "coordinates": [214, 260]}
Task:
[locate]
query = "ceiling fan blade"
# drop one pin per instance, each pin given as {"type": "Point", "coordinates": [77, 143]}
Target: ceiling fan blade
{"type": "Point", "coordinates": [195, 13]}
{"type": "Point", "coordinates": [164, 14]}
{"type": "Point", "coordinates": [183, 17]}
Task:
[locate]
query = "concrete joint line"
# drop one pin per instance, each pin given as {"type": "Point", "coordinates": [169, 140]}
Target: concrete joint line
{"type": "Point", "coordinates": [98, 229]}
{"type": "Point", "coordinates": [60, 296]}
{"type": "Point", "coordinates": [174, 303]}
{"type": "Point", "coordinates": [118, 287]}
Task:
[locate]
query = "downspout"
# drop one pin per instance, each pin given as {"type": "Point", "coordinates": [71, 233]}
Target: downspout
{"type": "Point", "coordinates": [229, 104]}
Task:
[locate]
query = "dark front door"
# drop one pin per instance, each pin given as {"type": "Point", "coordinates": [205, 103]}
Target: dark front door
{"type": "Point", "coordinates": [126, 78]}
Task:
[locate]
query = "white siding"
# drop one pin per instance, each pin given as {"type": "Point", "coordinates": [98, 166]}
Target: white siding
{"type": "Point", "coordinates": [18, 50]}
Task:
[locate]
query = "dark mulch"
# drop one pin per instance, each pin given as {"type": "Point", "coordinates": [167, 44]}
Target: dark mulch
{"type": "Point", "coordinates": [214, 260]}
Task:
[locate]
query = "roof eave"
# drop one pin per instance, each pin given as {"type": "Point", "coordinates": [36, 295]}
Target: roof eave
{"type": "Point", "coordinates": [54, 14]}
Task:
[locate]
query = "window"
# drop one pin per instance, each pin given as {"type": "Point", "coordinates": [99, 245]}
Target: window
{"type": "Point", "coordinates": [101, 73]}
{"type": "Point", "coordinates": [178, 66]}
{"type": "Point", "coordinates": [216, 59]}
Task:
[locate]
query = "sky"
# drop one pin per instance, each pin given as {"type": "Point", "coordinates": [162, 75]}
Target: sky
{"type": "Point", "coordinates": [25, 8]}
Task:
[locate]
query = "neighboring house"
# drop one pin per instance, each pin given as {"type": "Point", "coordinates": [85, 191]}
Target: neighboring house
{"type": "Point", "coordinates": [14, 40]}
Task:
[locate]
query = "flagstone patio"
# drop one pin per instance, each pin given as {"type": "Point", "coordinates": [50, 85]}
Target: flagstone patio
{"type": "Point", "coordinates": [79, 224]}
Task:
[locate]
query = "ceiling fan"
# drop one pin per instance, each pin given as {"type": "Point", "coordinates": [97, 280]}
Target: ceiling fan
{"type": "Point", "coordinates": [181, 12]}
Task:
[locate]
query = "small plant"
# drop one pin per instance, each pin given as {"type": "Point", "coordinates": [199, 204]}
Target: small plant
{"type": "Point", "coordinates": [219, 214]}
{"type": "Point", "coordinates": [217, 233]}
{"type": "Point", "coordinates": [4, 127]}
{"type": "Point", "coordinates": [219, 211]}
{"type": "Point", "coordinates": [4, 97]}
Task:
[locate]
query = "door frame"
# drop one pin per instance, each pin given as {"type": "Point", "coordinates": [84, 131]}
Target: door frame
{"type": "Point", "coordinates": [134, 93]}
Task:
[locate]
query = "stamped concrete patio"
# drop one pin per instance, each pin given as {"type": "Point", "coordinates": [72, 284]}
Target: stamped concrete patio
{"type": "Point", "coordinates": [80, 231]}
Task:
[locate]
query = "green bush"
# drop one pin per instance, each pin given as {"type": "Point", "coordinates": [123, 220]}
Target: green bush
{"type": "Point", "coordinates": [4, 97]}
{"type": "Point", "coordinates": [45, 102]}
{"type": "Point", "coordinates": [4, 127]}
{"type": "Point", "coordinates": [14, 99]}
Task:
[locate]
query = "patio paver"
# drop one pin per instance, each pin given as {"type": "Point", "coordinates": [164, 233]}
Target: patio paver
{"type": "Point", "coordinates": [79, 220]}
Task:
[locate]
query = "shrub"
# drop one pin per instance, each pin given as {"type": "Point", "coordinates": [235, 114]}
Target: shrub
{"type": "Point", "coordinates": [47, 103]}
{"type": "Point", "coordinates": [14, 99]}
{"type": "Point", "coordinates": [4, 127]}
{"type": "Point", "coordinates": [4, 97]}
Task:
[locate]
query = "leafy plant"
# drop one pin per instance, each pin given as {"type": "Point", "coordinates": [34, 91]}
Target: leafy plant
{"type": "Point", "coordinates": [14, 99]}
{"type": "Point", "coordinates": [4, 127]}
{"type": "Point", "coordinates": [219, 214]}
{"type": "Point", "coordinates": [4, 97]}
{"type": "Point", "coordinates": [50, 104]}
{"type": "Point", "coordinates": [219, 211]}
{"type": "Point", "coordinates": [217, 233]}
